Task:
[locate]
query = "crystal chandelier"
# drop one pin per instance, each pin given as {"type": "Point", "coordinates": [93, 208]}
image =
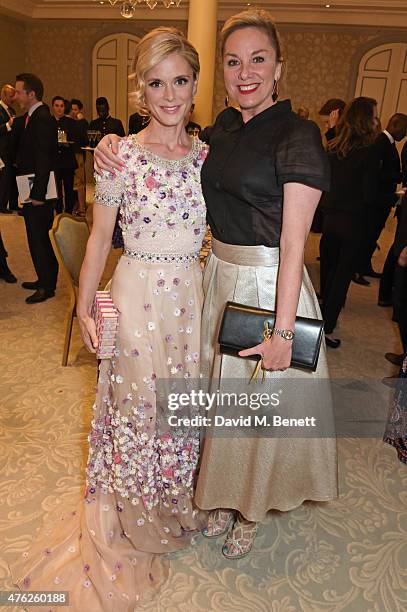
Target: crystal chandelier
{"type": "Point", "coordinates": [128, 8]}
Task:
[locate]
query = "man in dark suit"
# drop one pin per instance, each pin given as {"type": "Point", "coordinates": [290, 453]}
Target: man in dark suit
{"type": "Point", "coordinates": [193, 128]}
{"type": "Point", "coordinates": [105, 124]}
{"type": "Point", "coordinates": [5, 272]}
{"type": "Point", "coordinates": [66, 161]}
{"type": "Point", "coordinates": [36, 153]}
{"type": "Point", "coordinates": [8, 193]}
{"type": "Point", "coordinates": [390, 176]}
{"type": "Point", "coordinates": [137, 123]}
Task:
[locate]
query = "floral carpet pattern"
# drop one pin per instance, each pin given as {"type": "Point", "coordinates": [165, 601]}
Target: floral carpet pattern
{"type": "Point", "coordinates": [349, 555]}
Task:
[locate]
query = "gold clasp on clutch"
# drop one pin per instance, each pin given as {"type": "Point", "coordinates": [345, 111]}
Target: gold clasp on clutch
{"type": "Point", "coordinates": [267, 334]}
{"type": "Point", "coordinates": [267, 331]}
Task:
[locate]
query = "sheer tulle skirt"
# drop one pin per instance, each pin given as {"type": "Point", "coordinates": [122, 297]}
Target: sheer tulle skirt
{"type": "Point", "coordinates": [110, 554]}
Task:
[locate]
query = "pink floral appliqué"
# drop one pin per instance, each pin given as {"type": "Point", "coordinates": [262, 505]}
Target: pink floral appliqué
{"type": "Point", "coordinates": [150, 182]}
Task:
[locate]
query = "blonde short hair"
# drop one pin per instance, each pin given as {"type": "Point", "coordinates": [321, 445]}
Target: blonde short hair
{"type": "Point", "coordinates": [253, 18]}
{"type": "Point", "coordinates": [152, 49]}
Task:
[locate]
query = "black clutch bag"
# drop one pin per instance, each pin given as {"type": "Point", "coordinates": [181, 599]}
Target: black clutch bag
{"type": "Point", "coordinates": [243, 327]}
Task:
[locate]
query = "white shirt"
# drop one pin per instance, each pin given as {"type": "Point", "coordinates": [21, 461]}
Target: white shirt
{"type": "Point", "coordinates": [389, 136]}
{"type": "Point", "coordinates": [34, 107]}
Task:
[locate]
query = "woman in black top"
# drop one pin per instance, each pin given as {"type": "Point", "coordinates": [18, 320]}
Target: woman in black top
{"type": "Point", "coordinates": [262, 182]}
{"type": "Point", "coordinates": [354, 173]}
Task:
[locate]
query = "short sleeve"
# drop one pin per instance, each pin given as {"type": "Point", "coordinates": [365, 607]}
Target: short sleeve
{"type": "Point", "coordinates": [300, 156]}
{"type": "Point", "coordinates": [109, 189]}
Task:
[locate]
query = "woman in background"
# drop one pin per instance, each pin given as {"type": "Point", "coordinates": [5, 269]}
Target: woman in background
{"type": "Point", "coordinates": [354, 175]}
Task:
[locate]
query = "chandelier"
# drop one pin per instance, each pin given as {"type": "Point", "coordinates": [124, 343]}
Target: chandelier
{"type": "Point", "coordinates": [128, 8]}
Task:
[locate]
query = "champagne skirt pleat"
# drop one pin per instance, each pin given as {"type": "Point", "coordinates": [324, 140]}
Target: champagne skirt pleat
{"type": "Point", "coordinates": [254, 475]}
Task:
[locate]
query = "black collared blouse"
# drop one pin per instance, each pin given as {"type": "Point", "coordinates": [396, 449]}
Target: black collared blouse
{"type": "Point", "coordinates": [248, 165]}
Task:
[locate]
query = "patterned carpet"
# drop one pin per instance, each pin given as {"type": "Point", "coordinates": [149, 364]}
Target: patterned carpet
{"type": "Point", "coordinates": [348, 555]}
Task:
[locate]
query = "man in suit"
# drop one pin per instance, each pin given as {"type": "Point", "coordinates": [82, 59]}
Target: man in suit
{"type": "Point", "coordinates": [8, 190]}
{"type": "Point", "coordinates": [390, 176]}
{"type": "Point", "coordinates": [137, 123]}
{"type": "Point", "coordinates": [36, 153]}
{"type": "Point", "coordinates": [66, 161]}
{"type": "Point", "coordinates": [5, 272]}
{"type": "Point", "coordinates": [192, 128]}
{"type": "Point", "coordinates": [105, 124]}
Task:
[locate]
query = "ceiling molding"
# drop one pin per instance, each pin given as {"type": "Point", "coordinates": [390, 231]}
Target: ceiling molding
{"type": "Point", "coordinates": [382, 13]}
{"type": "Point", "coordinates": [24, 8]}
{"type": "Point", "coordinates": [387, 13]}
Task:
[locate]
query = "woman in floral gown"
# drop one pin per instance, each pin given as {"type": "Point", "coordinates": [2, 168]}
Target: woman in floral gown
{"type": "Point", "coordinates": [140, 472]}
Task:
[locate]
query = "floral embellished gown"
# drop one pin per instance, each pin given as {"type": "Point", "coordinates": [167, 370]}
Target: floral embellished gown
{"type": "Point", "coordinates": [140, 471]}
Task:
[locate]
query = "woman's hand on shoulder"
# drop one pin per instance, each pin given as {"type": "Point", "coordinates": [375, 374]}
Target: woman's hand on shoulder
{"type": "Point", "coordinates": [106, 155]}
{"type": "Point", "coordinates": [88, 331]}
{"type": "Point", "coordinates": [276, 353]}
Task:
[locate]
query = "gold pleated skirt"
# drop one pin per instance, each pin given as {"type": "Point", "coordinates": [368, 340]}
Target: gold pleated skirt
{"type": "Point", "coordinates": [255, 475]}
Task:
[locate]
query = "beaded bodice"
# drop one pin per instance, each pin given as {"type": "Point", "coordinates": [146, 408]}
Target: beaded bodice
{"type": "Point", "coordinates": [162, 209]}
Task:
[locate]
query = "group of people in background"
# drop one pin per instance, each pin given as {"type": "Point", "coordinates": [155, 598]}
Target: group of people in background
{"type": "Point", "coordinates": [41, 141]}
{"type": "Point", "coordinates": [48, 139]}
{"type": "Point", "coordinates": [366, 170]}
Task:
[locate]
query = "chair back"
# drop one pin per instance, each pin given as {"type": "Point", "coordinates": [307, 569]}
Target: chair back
{"type": "Point", "coordinates": [69, 236]}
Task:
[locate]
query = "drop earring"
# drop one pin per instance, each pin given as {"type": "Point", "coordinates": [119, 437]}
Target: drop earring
{"type": "Point", "coordinates": [274, 94]}
{"type": "Point", "coordinates": [226, 101]}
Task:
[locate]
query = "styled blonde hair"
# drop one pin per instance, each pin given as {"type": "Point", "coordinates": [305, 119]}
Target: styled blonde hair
{"type": "Point", "coordinates": [253, 18]}
{"type": "Point", "coordinates": [152, 49]}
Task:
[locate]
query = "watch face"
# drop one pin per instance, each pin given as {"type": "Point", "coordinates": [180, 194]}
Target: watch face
{"type": "Point", "coordinates": [287, 334]}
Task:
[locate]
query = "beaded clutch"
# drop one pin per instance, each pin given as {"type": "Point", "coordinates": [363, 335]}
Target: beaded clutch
{"type": "Point", "coordinates": [106, 317]}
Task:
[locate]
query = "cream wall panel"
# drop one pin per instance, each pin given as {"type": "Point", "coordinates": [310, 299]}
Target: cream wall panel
{"type": "Point", "coordinates": [106, 85]}
{"type": "Point", "coordinates": [110, 77]}
{"type": "Point", "coordinates": [384, 79]}
{"type": "Point", "coordinates": [12, 49]}
{"type": "Point", "coordinates": [379, 61]}
{"type": "Point", "coordinates": [374, 87]}
{"type": "Point", "coordinates": [108, 50]}
{"type": "Point", "coordinates": [401, 105]}
{"type": "Point", "coordinates": [61, 55]}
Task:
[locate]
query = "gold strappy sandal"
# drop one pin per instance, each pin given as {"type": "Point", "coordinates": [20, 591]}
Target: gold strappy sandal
{"type": "Point", "coordinates": [240, 539]}
{"type": "Point", "coordinates": [218, 523]}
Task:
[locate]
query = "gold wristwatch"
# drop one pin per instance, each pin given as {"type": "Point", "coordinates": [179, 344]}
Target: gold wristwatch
{"type": "Point", "coordinates": [286, 334]}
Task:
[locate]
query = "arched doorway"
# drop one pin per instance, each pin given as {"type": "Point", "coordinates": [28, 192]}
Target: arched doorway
{"type": "Point", "coordinates": [383, 75]}
{"type": "Point", "coordinates": [112, 59]}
